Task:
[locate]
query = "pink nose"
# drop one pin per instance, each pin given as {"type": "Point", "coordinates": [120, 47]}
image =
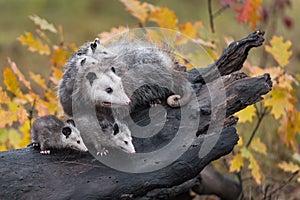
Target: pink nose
{"type": "Point", "coordinates": [128, 102]}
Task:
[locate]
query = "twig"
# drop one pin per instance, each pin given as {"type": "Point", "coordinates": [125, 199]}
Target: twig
{"type": "Point", "coordinates": [219, 12]}
{"type": "Point", "coordinates": [285, 183]}
{"type": "Point", "coordinates": [211, 17]}
{"type": "Point", "coordinates": [260, 116]}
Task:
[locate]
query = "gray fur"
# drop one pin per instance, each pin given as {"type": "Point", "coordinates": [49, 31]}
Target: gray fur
{"type": "Point", "coordinates": [47, 132]}
{"type": "Point", "coordinates": [73, 65]}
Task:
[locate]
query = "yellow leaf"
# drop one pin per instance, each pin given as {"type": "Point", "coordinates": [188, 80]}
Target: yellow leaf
{"type": "Point", "coordinates": [280, 101]}
{"type": "Point", "coordinates": [258, 146]}
{"type": "Point", "coordinates": [38, 79]}
{"type": "Point", "coordinates": [34, 44]}
{"type": "Point", "coordinates": [246, 114]}
{"type": "Point", "coordinates": [59, 56]}
{"type": "Point", "coordinates": [245, 152]}
{"type": "Point", "coordinates": [137, 9]}
{"type": "Point", "coordinates": [19, 74]}
{"type": "Point", "coordinates": [288, 167]}
{"type": "Point", "coordinates": [236, 163]}
{"type": "Point", "coordinates": [14, 138]}
{"type": "Point", "coordinates": [280, 50]}
{"type": "Point", "coordinates": [188, 29]}
{"type": "Point", "coordinates": [240, 142]}
{"type": "Point", "coordinates": [43, 24]}
{"type": "Point", "coordinates": [255, 170]}
{"type": "Point", "coordinates": [164, 17]}
{"type": "Point", "coordinates": [10, 81]}
{"type": "Point", "coordinates": [25, 130]}
{"type": "Point", "coordinates": [4, 99]}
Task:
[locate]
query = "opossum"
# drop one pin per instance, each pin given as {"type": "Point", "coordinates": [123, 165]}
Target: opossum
{"type": "Point", "coordinates": [50, 132]}
{"type": "Point", "coordinates": [90, 49]}
{"type": "Point", "coordinates": [97, 87]}
{"type": "Point", "coordinates": [150, 74]}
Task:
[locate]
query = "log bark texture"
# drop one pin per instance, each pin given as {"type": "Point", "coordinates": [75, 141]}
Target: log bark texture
{"type": "Point", "coordinates": [67, 174]}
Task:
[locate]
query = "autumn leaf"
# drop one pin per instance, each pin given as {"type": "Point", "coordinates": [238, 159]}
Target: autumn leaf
{"type": "Point", "coordinates": [59, 56]}
{"type": "Point", "coordinates": [258, 146]}
{"type": "Point", "coordinates": [188, 29]}
{"type": "Point", "coordinates": [288, 167]}
{"type": "Point", "coordinates": [255, 170]}
{"type": "Point", "coordinates": [246, 114]}
{"type": "Point", "coordinates": [38, 79]}
{"type": "Point", "coordinates": [8, 117]}
{"type": "Point", "coordinates": [22, 115]}
{"type": "Point", "coordinates": [4, 98]}
{"type": "Point", "coordinates": [280, 50]}
{"type": "Point", "coordinates": [10, 81]}
{"type": "Point", "coordinates": [19, 74]}
{"type": "Point", "coordinates": [43, 24]}
{"type": "Point", "coordinates": [25, 130]}
{"type": "Point", "coordinates": [15, 138]}
{"type": "Point", "coordinates": [56, 75]}
{"type": "Point", "coordinates": [281, 101]}
{"type": "Point", "coordinates": [137, 9]}
{"type": "Point", "coordinates": [249, 12]}
{"type": "Point", "coordinates": [164, 17]}
{"type": "Point", "coordinates": [236, 163]}
{"type": "Point", "coordinates": [34, 44]}
{"type": "Point", "coordinates": [112, 33]}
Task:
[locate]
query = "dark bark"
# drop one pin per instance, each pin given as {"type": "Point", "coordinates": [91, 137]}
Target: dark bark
{"type": "Point", "coordinates": [66, 174]}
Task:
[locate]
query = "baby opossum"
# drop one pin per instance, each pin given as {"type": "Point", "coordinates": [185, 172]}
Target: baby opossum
{"type": "Point", "coordinates": [91, 49]}
{"type": "Point", "coordinates": [114, 134]}
{"type": "Point", "coordinates": [50, 132]}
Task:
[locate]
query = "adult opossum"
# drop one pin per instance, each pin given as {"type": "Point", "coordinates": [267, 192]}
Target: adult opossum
{"type": "Point", "coordinates": [91, 49]}
{"type": "Point", "coordinates": [98, 86]}
{"type": "Point", "coordinates": [50, 132]}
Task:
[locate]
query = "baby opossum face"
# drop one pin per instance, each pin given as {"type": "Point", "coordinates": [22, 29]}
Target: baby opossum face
{"type": "Point", "coordinates": [103, 86]}
{"type": "Point", "coordinates": [71, 137]}
{"type": "Point", "coordinates": [119, 135]}
{"type": "Point", "coordinates": [100, 52]}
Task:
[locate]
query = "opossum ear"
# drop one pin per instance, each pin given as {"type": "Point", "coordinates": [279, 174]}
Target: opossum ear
{"type": "Point", "coordinates": [97, 41]}
{"type": "Point", "coordinates": [71, 121]}
{"type": "Point", "coordinates": [66, 131]}
{"type": "Point", "coordinates": [93, 46]}
{"type": "Point", "coordinates": [116, 129]}
{"type": "Point", "coordinates": [82, 61]}
{"type": "Point", "coordinates": [113, 69]}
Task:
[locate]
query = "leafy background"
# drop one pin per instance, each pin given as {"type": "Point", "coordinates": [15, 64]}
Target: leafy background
{"type": "Point", "coordinates": [38, 36]}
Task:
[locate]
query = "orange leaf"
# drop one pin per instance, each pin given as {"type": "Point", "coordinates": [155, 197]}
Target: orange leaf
{"type": "Point", "coordinates": [137, 9]}
{"type": "Point", "coordinates": [34, 44]}
{"type": "Point", "coordinates": [56, 75]}
{"type": "Point", "coordinates": [164, 17]}
{"type": "Point", "coordinates": [280, 50]}
{"type": "Point", "coordinates": [288, 167]}
{"type": "Point", "coordinates": [44, 25]}
{"type": "Point", "coordinates": [19, 74]}
{"type": "Point", "coordinates": [8, 117]}
{"type": "Point", "coordinates": [22, 115]}
{"type": "Point", "coordinates": [112, 33]}
{"type": "Point", "coordinates": [59, 56]}
{"type": "Point", "coordinates": [4, 99]}
{"type": "Point", "coordinates": [38, 79]}
{"type": "Point", "coordinates": [249, 12]}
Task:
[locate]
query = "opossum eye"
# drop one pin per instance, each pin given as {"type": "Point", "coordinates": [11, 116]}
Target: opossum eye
{"type": "Point", "coordinates": [116, 129]}
{"type": "Point", "coordinates": [113, 69]}
{"type": "Point", "coordinates": [126, 142]}
{"type": "Point", "coordinates": [71, 121]}
{"type": "Point", "coordinates": [97, 41]}
{"type": "Point", "coordinates": [66, 131]}
{"type": "Point", "coordinates": [78, 142]}
{"type": "Point", "coordinates": [91, 76]}
{"type": "Point", "coordinates": [109, 90]}
{"type": "Point", "coordinates": [104, 52]}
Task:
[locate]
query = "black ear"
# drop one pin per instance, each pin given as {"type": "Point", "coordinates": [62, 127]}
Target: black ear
{"type": "Point", "coordinates": [91, 76]}
{"type": "Point", "coordinates": [71, 121]}
{"type": "Point", "coordinates": [82, 61]}
{"type": "Point", "coordinates": [93, 46]}
{"type": "Point", "coordinates": [66, 131]}
{"type": "Point", "coordinates": [113, 69]}
{"type": "Point", "coordinates": [116, 129]}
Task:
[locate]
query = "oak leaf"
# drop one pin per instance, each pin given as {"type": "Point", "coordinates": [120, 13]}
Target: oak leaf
{"type": "Point", "coordinates": [164, 17]}
{"type": "Point", "coordinates": [43, 24]}
{"type": "Point", "coordinates": [137, 9]}
{"type": "Point", "coordinates": [246, 114]}
{"type": "Point", "coordinates": [34, 44]}
{"type": "Point", "coordinates": [249, 12]}
{"type": "Point", "coordinates": [236, 163]}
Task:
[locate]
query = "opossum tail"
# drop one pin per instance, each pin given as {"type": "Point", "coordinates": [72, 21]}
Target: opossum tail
{"type": "Point", "coordinates": [177, 101]}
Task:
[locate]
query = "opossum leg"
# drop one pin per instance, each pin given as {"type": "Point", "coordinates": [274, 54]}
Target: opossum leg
{"type": "Point", "coordinates": [45, 152]}
{"type": "Point", "coordinates": [155, 102]}
{"type": "Point", "coordinates": [174, 100]}
{"type": "Point", "coordinates": [102, 152]}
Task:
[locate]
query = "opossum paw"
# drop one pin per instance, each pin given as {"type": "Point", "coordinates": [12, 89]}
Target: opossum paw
{"type": "Point", "coordinates": [45, 152]}
{"type": "Point", "coordinates": [155, 102]}
{"type": "Point", "coordinates": [102, 152]}
{"type": "Point", "coordinates": [174, 100]}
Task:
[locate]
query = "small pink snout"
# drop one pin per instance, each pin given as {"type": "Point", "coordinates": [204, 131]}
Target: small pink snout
{"type": "Point", "coordinates": [128, 102]}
